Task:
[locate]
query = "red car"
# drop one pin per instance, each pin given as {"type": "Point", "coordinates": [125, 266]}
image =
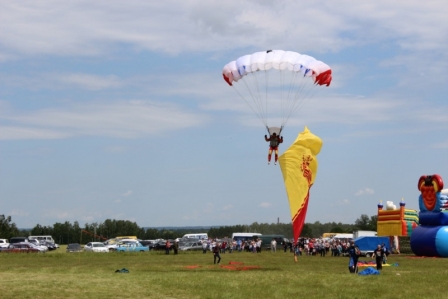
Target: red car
{"type": "Point", "coordinates": [20, 248]}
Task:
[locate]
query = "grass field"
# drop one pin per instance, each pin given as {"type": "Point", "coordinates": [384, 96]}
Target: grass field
{"type": "Point", "coordinates": [193, 275]}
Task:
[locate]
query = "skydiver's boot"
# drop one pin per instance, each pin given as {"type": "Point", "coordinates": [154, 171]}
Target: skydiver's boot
{"type": "Point", "coordinates": [276, 159]}
{"type": "Point", "coordinates": [269, 159]}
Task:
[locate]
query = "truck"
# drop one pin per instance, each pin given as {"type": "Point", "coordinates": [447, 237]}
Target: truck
{"type": "Point", "coordinates": [368, 244]}
{"type": "Point", "coordinates": [364, 233]}
{"type": "Point", "coordinates": [200, 236]}
{"type": "Point", "coordinates": [267, 239]}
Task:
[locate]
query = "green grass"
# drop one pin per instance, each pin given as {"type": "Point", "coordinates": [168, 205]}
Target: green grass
{"type": "Point", "coordinates": [156, 275]}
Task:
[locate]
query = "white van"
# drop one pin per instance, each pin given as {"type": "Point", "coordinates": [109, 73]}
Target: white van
{"type": "Point", "coordinates": [244, 236]}
{"type": "Point", "coordinates": [42, 238]}
{"type": "Point", "coordinates": [201, 236]}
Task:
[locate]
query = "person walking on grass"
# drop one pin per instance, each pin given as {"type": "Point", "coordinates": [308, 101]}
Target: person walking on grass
{"type": "Point", "coordinates": [379, 254]}
{"type": "Point", "coordinates": [167, 247]}
{"type": "Point", "coordinates": [353, 253]}
{"type": "Point", "coordinates": [216, 255]}
{"type": "Point", "coordinates": [273, 245]}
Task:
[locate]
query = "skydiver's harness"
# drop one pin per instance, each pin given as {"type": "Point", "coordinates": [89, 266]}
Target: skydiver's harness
{"type": "Point", "coordinates": [273, 142]}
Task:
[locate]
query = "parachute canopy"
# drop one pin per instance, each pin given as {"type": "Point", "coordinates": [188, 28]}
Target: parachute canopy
{"type": "Point", "coordinates": [299, 168]}
{"type": "Point", "coordinates": [275, 83]}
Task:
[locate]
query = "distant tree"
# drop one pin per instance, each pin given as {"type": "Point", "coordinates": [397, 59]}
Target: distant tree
{"type": "Point", "coordinates": [39, 230]}
{"type": "Point", "coordinates": [366, 223]}
{"type": "Point", "coordinates": [373, 222]}
{"type": "Point", "coordinates": [306, 231]}
{"type": "Point", "coordinates": [8, 229]}
{"type": "Point", "coordinates": [337, 230]}
{"type": "Point", "coordinates": [151, 234]}
{"type": "Point", "coordinates": [113, 228]}
{"type": "Point", "coordinates": [167, 234]}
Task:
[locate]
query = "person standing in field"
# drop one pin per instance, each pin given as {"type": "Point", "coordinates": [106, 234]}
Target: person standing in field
{"type": "Point", "coordinates": [354, 254]}
{"type": "Point", "coordinates": [175, 246]}
{"type": "Point", "coordinates": [296, 251]}
{"type": "Point", "coordinates": [216, 255]}
{"type": "Point", "coordinates": [379, 254]}
{"type": "Point", "coordinates": [259, 245]}
{"type": "Point", "coordinates": [273, 245]}
{"type": "Point", "coordinates": [386, 253]}
{"type": "Point", "coordinates": [204, 246]}
{"type": "Point", "coordinates": [167, 247]}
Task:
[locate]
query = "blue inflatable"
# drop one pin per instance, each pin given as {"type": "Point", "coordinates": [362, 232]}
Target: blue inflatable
{"type": "Point", "coordinates": [431, 237]}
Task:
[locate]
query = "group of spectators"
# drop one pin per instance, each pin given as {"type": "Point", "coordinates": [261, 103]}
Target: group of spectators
{"type": "Point", "coordinates": [322, 247]}
{"type": "Point", "coordinates": [227, 245]}
{"type": "Point", "coordinates": [305, 246]}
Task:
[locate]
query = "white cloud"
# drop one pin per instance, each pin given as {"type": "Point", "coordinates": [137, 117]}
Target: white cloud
{"type": "Point", "coordinates": [88, 81]}
{"type": "Point", "coordinates": [343, 202]}
{"type": "Point", "coordinates": [227, 207]}
{"type": "Point", "coordinates": [208, 208]}
{"type": "Point", "coordinates": [265, 205]}
{"type": "Point", "coordinates": [125, 119]}
{"type": "Point", "coordinates": [59, 214]}
{"type": "Point", "coordinates": [127, 193]}
{"type": "Point", "coordinates": [116, 149]}
{"type": "Point", "coordinates": [441, 145]}
{"type": "Point", "coordinates": [366, 191]}
{"type": "Point", "coordinates": [19, 212]}
{"type": "Point", "coordinates": [36, 27]}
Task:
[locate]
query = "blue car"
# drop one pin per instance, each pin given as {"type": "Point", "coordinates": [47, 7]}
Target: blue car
{"type": "Point", "coordinates": [132, 247]}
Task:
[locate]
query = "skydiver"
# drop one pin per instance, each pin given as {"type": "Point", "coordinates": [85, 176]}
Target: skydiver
{"type": "Point", "coordinates": [274, 141]}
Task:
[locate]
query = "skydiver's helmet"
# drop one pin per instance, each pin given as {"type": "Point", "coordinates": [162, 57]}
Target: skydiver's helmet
{"type": "Point", "coordinates": [274, 134]}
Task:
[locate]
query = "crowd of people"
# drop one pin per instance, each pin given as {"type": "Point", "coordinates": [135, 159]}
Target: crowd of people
{"type": "Point", "coordinates": [226, 245]}
{"type": "Point", "coordinates": [304, 246]}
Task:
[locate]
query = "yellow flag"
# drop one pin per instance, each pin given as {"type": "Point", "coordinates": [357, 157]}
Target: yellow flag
{"type": "Point", "coordinates": [299, 168]}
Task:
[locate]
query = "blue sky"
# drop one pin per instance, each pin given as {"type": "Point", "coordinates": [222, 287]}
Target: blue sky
{"type": "Point", "coordinates": [119, 110]}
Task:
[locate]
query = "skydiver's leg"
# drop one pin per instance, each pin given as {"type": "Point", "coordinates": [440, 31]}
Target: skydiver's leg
{"type": "Point", "coordinates": [269, 155]}
{"type": "Point", "coordinates": [276, 155]}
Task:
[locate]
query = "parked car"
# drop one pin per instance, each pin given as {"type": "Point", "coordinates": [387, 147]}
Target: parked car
{"type": "Point", "coordinates": [38, 245]}
{"type": "Point", "coordinates": [74, 247]}
{"type": "Point", "coordinates": [4, 243]}
{"type": "Point", "coordinates": [132, 247]}
{"type": "Point", "coordinates": [50, 245]}
{"type": "Point", "coordinates": [191, 246]}
{"type": "Point", "coordinates": [96, 247]}
{"type": "Point", "coordinates": [20, 248]}
{"type": "Point", "coordinates": [113, 247]}
{"type": "Point", "coordinates": [161, 245]}
{"type": "Point", "coordinates": [18, 240]}
{"type": "Point", "coordinates": [148, 243]}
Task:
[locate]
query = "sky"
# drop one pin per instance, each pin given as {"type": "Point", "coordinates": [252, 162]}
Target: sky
{"type": "Point", "coordinates": [118, 109]}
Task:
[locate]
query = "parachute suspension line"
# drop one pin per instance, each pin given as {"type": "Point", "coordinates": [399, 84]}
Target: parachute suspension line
{"type": "Point", "coordinates": [250, 106]}
{"type": "Point", "coordinates": [253, 92]}
{"type": "Point", "coordinates": [266, 95]}
{"type": "Point", "coordinates": [302, 93]}
{"type": "Point", "coordinates": [299, 94]}
{"type": "Point", "coordinates": [291, 98]}
{"type": "Point", "coordinates": [281, 95]}
{"type": "Point", "coordinates": [312, 91]}
{"type": "Point", "coordinates": [294, 92]}
{"type": "Point", "coordinates": [261, 105]}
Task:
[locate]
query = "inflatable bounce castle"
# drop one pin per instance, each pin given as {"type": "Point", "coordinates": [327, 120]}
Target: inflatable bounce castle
{"type": "Point", "coordinates": [396, 222]}
{"type": "Point", "coordinates": [431, 237]}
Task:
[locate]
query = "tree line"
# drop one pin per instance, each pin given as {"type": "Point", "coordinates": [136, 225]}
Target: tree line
{"type": "Point", "coordinates": [67, 232]}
